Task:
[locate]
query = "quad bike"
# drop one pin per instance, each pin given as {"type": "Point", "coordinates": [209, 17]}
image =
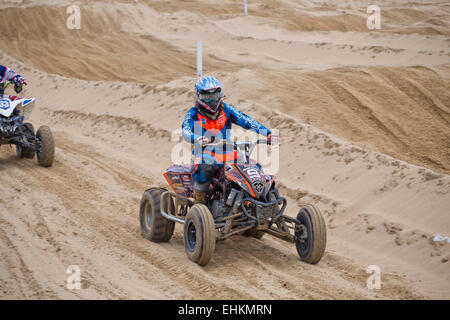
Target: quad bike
{"type": "Point", "coordinates": [241, 200]}
{"type": "Point", "coordinates": [13, 130]}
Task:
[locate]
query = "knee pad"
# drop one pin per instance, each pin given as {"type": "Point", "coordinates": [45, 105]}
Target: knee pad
{"type": "Point", "coordinates": [201, 187]}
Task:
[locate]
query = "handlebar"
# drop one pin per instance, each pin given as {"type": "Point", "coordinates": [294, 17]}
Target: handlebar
{"type": "Point", "coordinates": [17, 86]}
{"type": "Point", "coordinates": [236, 144]}
{"type": "Point", "coordinates": [244, 149]}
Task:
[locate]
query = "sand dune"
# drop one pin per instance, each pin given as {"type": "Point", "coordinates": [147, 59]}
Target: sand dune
{"type": "Point", "coordinates": [403, 112]}
{"type": "Point", "coordinates": [98, 51]}
{"type": "Point", "coordinates": [364, 125]}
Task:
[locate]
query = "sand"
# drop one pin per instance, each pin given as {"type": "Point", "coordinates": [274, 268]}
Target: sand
{"type": "Point", "coordinates": [364, 128]}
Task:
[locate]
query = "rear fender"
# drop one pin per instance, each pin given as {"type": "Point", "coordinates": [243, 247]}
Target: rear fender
{"type": "Point", "coordinates": [180, 179]}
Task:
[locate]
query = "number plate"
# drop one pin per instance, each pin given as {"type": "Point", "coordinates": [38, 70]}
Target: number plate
{"type": "Point", "coordinates": [4, 104]}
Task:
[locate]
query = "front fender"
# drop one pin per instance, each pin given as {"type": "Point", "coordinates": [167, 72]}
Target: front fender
{"type": "Point", "coordinates": [25, 107]}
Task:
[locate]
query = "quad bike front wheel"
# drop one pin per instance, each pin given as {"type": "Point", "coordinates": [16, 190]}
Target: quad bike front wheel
{"type": "Point", "coordinates": [199, 234]}
{"type": "Point", "coordinates": [21, 151]}
{"type": "Point", "coordinates": [45, 146]}
{"type": "Point", "coordinates": [311, 234]}
{"type": "Point", "coordinates": [154, 226]}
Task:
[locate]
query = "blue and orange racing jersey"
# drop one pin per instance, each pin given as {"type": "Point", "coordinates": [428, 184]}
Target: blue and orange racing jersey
{"type": "Point", "coordinates": [196, 125]}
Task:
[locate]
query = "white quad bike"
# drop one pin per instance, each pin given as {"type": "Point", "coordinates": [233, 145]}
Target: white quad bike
{"type": "Point", "coordinates": [14, 130]}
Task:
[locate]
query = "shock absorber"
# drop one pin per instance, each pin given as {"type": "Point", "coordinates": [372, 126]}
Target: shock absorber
{"type": "Point", "coordinates": [231, 197]}
{"type": "Point", "coordinates": [238, 201]}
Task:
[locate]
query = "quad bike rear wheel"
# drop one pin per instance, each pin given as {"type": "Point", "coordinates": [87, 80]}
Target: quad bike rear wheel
{"type": "Point", "coordinates": [45, 147]}
{"type": "Point", "coordinates": [154, 226]}
{"type": "Point", "coordinates": [199, 234]}
{"type": "Point", "coordinates": [21, 151]}
{"type": "Point", "coordinates": [311, 234]}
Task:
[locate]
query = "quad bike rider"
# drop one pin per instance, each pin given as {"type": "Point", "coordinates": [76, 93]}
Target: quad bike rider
{"type": "Point", "coordinates": [8, 75]}
{"type": "Point", "coordinates": [225, 192]}
{"type": "Point", "coordinates": [13, 130]}
{"type": "Point", "coordinates": [210, 119]}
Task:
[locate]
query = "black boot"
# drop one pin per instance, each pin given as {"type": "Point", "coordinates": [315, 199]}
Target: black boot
{"type": "Point", "coordinates": [200, 197]}
{"type": "Point", "coordinates": [200, 192]}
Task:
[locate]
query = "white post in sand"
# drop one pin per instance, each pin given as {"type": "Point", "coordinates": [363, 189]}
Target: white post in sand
{"type": "Point", "coordinates": [199, 58]}
{"type": "Point", "coordinates": [245, 7]}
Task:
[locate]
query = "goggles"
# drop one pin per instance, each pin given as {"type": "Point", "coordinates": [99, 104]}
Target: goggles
{"type": "Point", "coordinates": [212, 96]}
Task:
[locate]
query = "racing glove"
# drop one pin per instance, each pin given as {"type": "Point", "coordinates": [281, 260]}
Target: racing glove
{"type": "Point", "coordinates": [201, 141]}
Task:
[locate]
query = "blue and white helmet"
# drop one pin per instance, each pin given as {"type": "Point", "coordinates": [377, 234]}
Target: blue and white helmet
{"type": "Point", "coordinates": [208, 92]}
